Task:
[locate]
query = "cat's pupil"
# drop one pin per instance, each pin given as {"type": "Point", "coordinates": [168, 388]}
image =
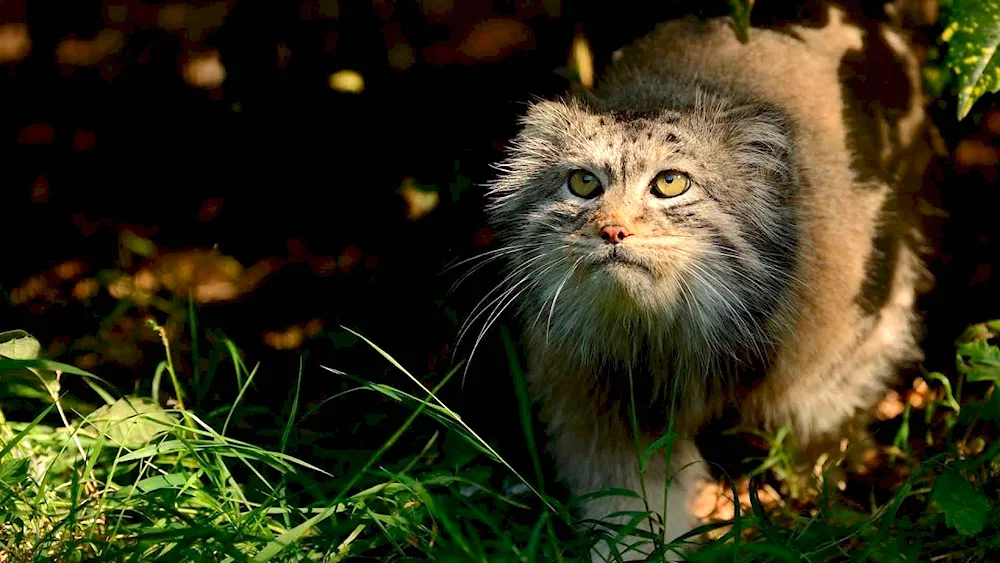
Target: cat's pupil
{"type": "Point", "coordinates": [669, 178]}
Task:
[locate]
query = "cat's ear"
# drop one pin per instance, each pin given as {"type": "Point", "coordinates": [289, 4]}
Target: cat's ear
{"type": "Point", "coordinates": [547, 115]}
{"type": "Point", "coordinates": [763, 138]}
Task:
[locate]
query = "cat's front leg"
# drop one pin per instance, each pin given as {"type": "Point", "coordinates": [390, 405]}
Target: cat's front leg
{"type": "Point", "coordinates": [610, 462]}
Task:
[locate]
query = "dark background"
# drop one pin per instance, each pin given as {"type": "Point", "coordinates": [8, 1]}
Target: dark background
{"type": "Point", "coordinates": [278, 169]}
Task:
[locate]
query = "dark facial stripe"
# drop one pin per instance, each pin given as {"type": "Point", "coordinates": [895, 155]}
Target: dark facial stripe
{"type": "Point", "coordinates": [686, 205]}
{"type": "Point", "coordinates": [611, 173]}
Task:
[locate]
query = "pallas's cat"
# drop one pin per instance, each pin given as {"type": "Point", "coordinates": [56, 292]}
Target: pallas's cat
{"type": "Point", "coordinates": [720, 226]}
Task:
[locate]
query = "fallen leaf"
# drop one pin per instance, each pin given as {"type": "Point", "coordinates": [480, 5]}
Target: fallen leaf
{"type": "Point", "coordinates": [88, 52]}
{"type": "Point", "coordinates": [15, 43]}
{"type": "Point", "coordinates": [582, 60]}
{"type": "Point", "coordinates": [494, 39]}
{"type": "Point", "coordinates": [288, 339]}
{"type": "Point", "coordinates": [36, 134]}
{"type": "Point", "coordinates": [132, 421]}
{"type": "Point", "coordinates": [971, 152]}
{"type": "Point", "coordinates": [205, 70]}
{"type": "Point", "coordinates": [19, 345]}
{"type": "Point", "coordinates": [349, 81]}
{"type": "Point", "coordinates": [207, 275]}
{"type": "Point", "coordinates": [890, 406]}
{"type": "Point", "coordinates": [40, 190]}
{"type": "Point", "coordinates": [419, 202]}
{"type": "Point", "coordinates": [84, 140]}
{"type": "Point", "coordinates": [86, 288]}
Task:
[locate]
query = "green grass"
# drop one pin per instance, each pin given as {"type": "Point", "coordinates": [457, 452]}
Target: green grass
{"type": "Point", "coordinates": [133, 480]}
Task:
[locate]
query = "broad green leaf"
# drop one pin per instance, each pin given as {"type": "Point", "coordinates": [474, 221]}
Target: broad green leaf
{"type": "Point", "coordinates": [965, 508]}
{"type": "Point", "coordinates": [972, 34]}
{"type": "Point", "coordinates": [132, 421]}
{"type": "Point", "coordinates": [991, 410]}
{"type": "Point", "coordinates": [19, 345]}
{"type": "Point", "coordinates": [739, 10]}
{"type": "Point", "coordinates": [979, 360]}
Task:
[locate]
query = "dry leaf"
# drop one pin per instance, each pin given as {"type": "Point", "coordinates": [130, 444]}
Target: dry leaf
{"type": "Point", "coordinates": [15, 43]}
{"type": "Point", "coordinates": [84, 52]}
{"type": "Point", "coordinates": [289, 339]}
{"type": "Point", "coordinates": [40, 190]}
{"type": "Point", "coordinates": [349, 81]}
{"type": "Point", "coordinates": [84, 140]}
{"type": "Point", "coordinates": [494, 39]}
{"type": "Point", "coordinates": [348, 258]}
{"type": "Point", "coordinates": [36, 134]}
{"type": "Point", "coordinates": [86, 288]}
{"type": "Point", "coordinates": [284, 54]}
{"type": "Point", "coordinates": [714, 500]}
{"type": "Point", "coordinates": [971, 152]}
{"type": "Point", "coordinates": [582, 60]}
{"type": "Point", "coordinates": [190, 21]}
{"type": "Point", "coordinates": [205, 70]}
{"type": "Point", "coordinates": [418, 202]}
{"type": "Point", "coordinates": [210, 209]}
{"type": "Point", "coordinates": [921, 394]}
{"type": "Point", "coordinates": [890, 406]}
{"type": "Point", "coordinates": [207, 275]}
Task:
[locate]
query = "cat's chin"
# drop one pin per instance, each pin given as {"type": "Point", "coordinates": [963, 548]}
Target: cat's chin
{"type": "Point", "coordinates": [622, 281]}
{"type": "Point", "coordinates": [627, 277]}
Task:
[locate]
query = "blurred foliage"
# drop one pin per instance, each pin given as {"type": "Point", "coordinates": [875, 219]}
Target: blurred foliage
{"type": "Point", "coordinates": [972, 33]}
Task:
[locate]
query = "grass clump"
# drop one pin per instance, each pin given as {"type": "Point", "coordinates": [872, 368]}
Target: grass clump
{"type": "Point", "coordinates": [134, 481]}
{"type": "Point", "coordinates": [153, 478]}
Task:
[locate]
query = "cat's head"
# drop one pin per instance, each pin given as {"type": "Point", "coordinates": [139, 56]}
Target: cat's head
{"type": "Point", "coordinates": [678, 222]}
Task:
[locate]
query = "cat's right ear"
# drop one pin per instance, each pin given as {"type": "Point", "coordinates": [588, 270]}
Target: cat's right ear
{"type": "Point", "coordinates": [546, 115]}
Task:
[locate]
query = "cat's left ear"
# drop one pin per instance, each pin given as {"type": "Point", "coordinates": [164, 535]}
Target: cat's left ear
{"type": "Point", "coordinates": [764, 138]}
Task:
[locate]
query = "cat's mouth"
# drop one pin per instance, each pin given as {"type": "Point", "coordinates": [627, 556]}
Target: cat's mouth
{"type": "Point", "coordinates": [616, 256]}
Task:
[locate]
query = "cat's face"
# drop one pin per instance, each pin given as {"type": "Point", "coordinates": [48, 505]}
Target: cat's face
{"type": "Point", "coordinates": [648, 219]}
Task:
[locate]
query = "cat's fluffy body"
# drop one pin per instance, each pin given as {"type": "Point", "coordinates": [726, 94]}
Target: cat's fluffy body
{"type": "Point", "coordinates": [781, 284]}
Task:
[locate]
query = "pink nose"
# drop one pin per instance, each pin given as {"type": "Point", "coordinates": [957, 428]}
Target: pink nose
{"type": "Point", "coordinates": [614, 234]}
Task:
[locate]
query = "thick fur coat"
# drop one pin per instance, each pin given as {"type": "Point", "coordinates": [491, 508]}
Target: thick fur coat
{"type": "Point", "coordinates": [780, 284]}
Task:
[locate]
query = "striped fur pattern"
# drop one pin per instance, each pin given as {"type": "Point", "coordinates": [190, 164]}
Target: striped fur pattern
{"type": "Point", "coordinates": [780, 284]}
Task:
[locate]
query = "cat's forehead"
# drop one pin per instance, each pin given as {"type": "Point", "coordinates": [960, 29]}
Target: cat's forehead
{"type": "Point", "coordinates": [624, 121]}
{"type": "Point", "coordinates": [628, 135]}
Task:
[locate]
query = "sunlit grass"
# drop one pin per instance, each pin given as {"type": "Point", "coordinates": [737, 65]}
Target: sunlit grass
{"type": "Point", "coordinates": [134, 481]}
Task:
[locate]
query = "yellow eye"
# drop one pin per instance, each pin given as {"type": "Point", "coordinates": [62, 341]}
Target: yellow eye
{"type": "Point", "coordinates": [670, 184]}
{"type": "Point", "coordinates": [584, 184]}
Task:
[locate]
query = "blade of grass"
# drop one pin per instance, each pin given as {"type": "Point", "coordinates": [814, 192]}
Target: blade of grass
{"type": "Point", "coordinates": [457, 419]}
{"type": "Point", "coordinates": [10, 445]}
{"type": "Point", "coordinates": [527, 427]}
{"type": "Point", "coordinates": [195, 368]}
{"type": "Point", "coordinates": [285, 539]}
{"type": "Point", "coordinates": [239, 397]}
